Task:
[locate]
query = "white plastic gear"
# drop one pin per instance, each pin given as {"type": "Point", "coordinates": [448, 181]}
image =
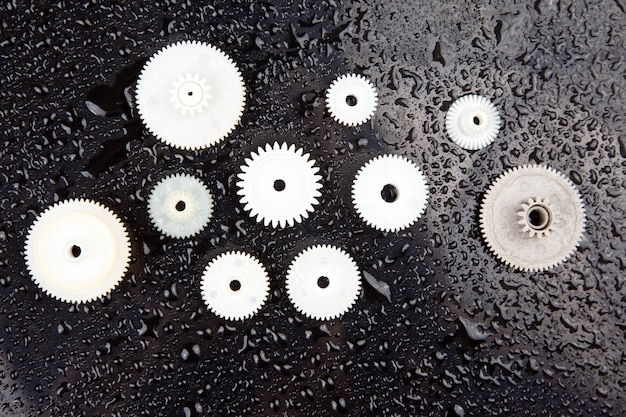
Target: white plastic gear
{"type": "Point", "coordinates": [180, 206]}
{"type": "Point", "coordinates": [499, 218]}
{"type": "Point", "coordinates": [235, 285]}
{"type": "Point", "coordinates": [77, 251]}
{"type": "Point", "coordinates": [351, 99]}
{"type": "Point", "coordinates": [323, 282]}
{"type": "Point", "coordinates": [190, 95]}
{"type": "Point", "coordinates": [279, 185]}
{"type": "Point", "coordinates": [536, 216]}
{"type": "Point", "coordinates": [403, 185]}
{"type": "Point", "coordinates": [473, 122]}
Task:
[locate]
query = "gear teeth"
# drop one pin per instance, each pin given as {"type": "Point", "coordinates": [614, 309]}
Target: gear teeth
{"type": "Point", "coordinates": [54, 270]}
{"type": "Point", "coordinates": [345, 88]}
{"type": "Point", "coordinates": [472, 122]}
{"type": "Point", "coordinates": [259, 182]}
{"type": "Point", "coordinates": [200, 129]}
{"type": "Point", "coordinates": [405, 178]}
{"type": "Point", "coordinates": [164, 211]}
{"type": "Point", "coordinates": [323, 303]}
{"type": "Point", "coordinates": [521, 251]}
{"type": "Point", "coordinates": [217, 290]}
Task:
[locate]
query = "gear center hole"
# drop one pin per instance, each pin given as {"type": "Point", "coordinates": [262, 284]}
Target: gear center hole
{"type": "Point", "coordinates": [190, 93]}
{"type": "Point", "coordinates": [75, 251]}
{"type": "Point", "coordinates": [235, 285]}
{"type": "Point", "coordinates": [476, 120]}
{"type": "Point", "coordinates": [351, 100]}
{"type": "Point", "coordinates": [389, 193]}
{"type": "Point", "coordinates": [539, 217]}
{"type": "Point", "coordinates": [180, 206]}
{"type": "Point", "coordinates": [279, 185]}
{"type": "Point", "coordinates": [323, 282]}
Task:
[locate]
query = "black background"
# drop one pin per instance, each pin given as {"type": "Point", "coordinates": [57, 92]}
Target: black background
{"type": "Point", "coordinates": [461, 334]}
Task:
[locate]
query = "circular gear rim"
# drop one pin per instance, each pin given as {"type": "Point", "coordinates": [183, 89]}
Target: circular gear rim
{"type": "Point", "coordinates": [220, 114]}
{"type": "Point", "coordinates": [301, 185]}
{"type": "Point", "coordinates": [165, 198]}
{"type": "Point", "coordinates": [323, 261]}
{"type": "Point", "coordinates": [499, 218]}
{"type": "Point", "coordinates": [248, 299]}
{"type": "Point", "coordinates": [358, 87]}
{"type": "Point", "coordinates": [461, 125]}
{"type": "Point", "coordinates": [409, 183]}
{"type": "Point", "coordinates": [103, 251]}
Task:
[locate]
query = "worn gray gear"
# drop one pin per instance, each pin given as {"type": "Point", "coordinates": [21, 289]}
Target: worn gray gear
{"type": "Point", "coordinates": [563, 217]}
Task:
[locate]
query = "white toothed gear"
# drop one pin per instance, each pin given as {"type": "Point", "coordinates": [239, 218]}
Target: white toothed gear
{"type": "Point", "coordinates": [532, 218]}
{"type": "Point", "coordinates": [351, 99]}
{"type": "Point", "coordinates": [77, 251]}
{"type": "Point", "coordinates": [190, 95]}
{"type": "Point", "coordinates": [390, 193]}
{"type": "Point", "coordinates": [235, 286]}
{"type": "Point", "coordinates": [279, 185]}
{"type": "Point", "coordinates": [323, 282]}
{"type": "Point", "coordinates": [180, 206]}
{"type": "Point", "coordinates": [473, 122]}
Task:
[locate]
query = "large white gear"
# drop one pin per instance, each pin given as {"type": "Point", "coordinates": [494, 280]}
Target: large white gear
{"type": "Point", "coordinates": [279, 185]}
{"type": "Point", "coordinates": [323, 282]}
{"type": "Point", "coordinates": [180, 206]}
{"type": "Point", "coordinates": [532, 218]}
{"type": "Point", "coordinates": [235, 286]}
{"type": "Point", "coordinates": [190, 95]}
{"type": "Point", "coordinates": [351, 99]}
{"type": "Point", "coordinates": [390, 193]}
{"type": "Point", "coordinates": [473, 122]}
{"type": "Point", "coordinates": [77, 251]}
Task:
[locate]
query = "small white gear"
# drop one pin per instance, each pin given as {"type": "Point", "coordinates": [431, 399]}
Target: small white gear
{"type": "Point", "coordinates": [323, 282]}
{"type": "Point", "coordinates": [557, 218]}
{"type": "Point", "coordinates": [180, 206]}
{"type": "Point", "coordinates": [389, 193]}
{"type": "Point", "coordinates": [190, 95]}
{"type": "Point", "coordinates": [235, 286]}
{"type": "Point", "coordinates": [473, 122]}
{"type": "Point", "coordinates": [537, 217]}
{"type": "Point", "coordinates": [77, 251]}
{"type": "Point", "coordinates": [279, 185]}
{"type": "Point", "coordinates": [351, 99]}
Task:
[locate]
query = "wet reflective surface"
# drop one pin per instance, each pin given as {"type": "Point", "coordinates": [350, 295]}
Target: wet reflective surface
{"type": "Point", "coordinates": [441, 327]}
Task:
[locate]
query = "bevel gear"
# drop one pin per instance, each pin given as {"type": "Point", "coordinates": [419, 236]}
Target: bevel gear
{"type": "Point", "coordinates": [473, 122]}
{"type": "Point", "coordinates": [351, 99]}
{"type": "Point", "coordinates": [235, 285]}
{"type": "Point", "coordinates": [553, 219]}
{"type": "Point", "coordinates": [279, 185]}
{"type": "Point", "coordinates": [323, 282]}
{"type": "Point", "coordinates": [180, 206]}
{"type": "Point", "coordinates": [389, 193]}
{"type": "Point", "coordinates": [190, 95]}
{"type": "Point", "coordinates": [77, 251]}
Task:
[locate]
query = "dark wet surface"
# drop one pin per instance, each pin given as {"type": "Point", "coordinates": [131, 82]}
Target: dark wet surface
{"type": "Point", "coordinates": [441, 327]}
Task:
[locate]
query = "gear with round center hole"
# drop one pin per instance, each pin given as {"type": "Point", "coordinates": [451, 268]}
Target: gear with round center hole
{"type": "Point", "coordinates": [77, 251]}
{"type": "Point", "coordinates": [390, 193]}
{"type": "Point", "coordinates": [180, 206]}
{"type": "Point", "coordinates": [473, 122]}
{"type": "Point", "coordinates": [351, 99]}
{"type": "Point", "coordinates": [235, 286]}
{"type": "Point", "coordinates": [323, 282]}
{"type": "Point", "coordinates": [532, 218]}
{"type": "Point", "coordinates": [279, 185]}
{"type": "Point", "coordinates": [190, 95]}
